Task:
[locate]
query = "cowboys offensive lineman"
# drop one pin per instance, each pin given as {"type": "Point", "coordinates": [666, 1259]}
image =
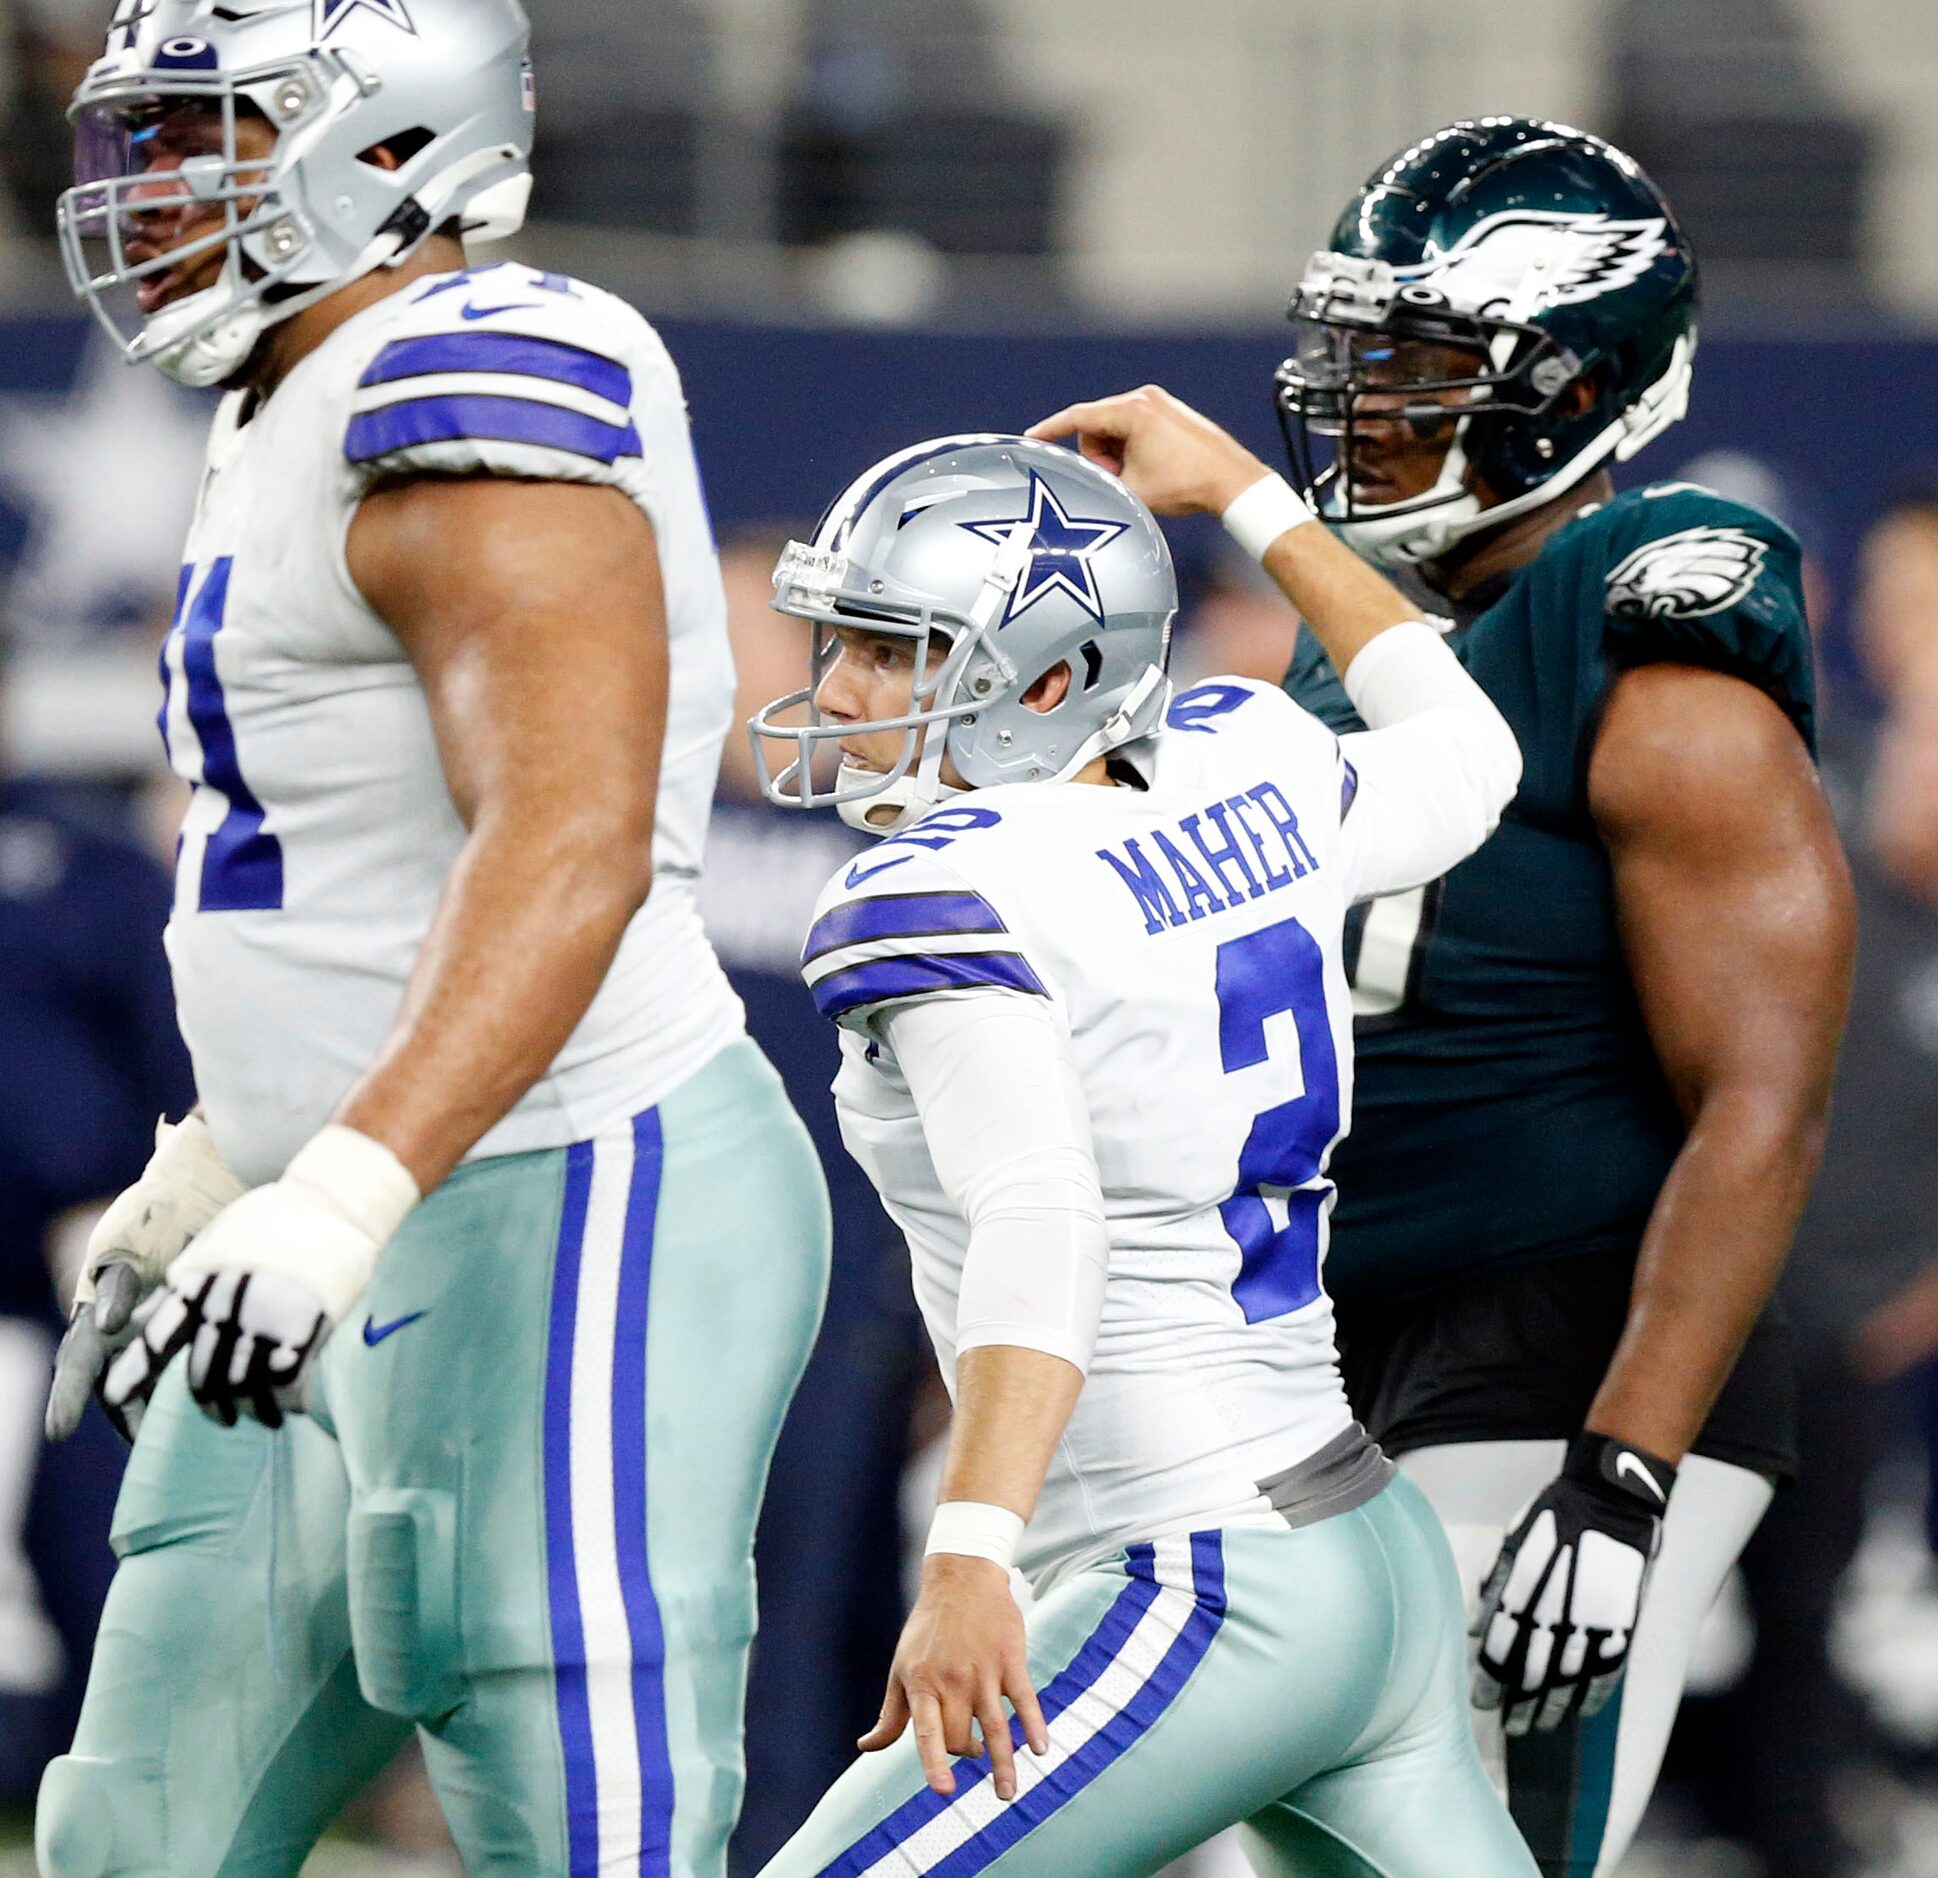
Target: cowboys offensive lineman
{"type": "Point", "coordinates": [1096, 1050]}
{"type": "Point", "coordinates": [449, 675]}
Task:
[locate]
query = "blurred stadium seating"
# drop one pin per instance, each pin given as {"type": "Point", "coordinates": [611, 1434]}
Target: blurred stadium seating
{"type": "Point", "coordinates": [861, 221]}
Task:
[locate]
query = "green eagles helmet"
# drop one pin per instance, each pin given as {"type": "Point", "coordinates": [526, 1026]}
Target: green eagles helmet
{"type": "Point", "coordinates": [1483, 273]}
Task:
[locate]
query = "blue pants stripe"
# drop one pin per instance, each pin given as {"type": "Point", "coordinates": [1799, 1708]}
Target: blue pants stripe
{"type": "Point", "coordinates": [1100, 1650]}
{"type": "Point", "coordinates": [1121, 1733]}
{"type": "Point", "coordinates": [629, 1502]}
{"type": "Point", "coordinates": [568, 1631]}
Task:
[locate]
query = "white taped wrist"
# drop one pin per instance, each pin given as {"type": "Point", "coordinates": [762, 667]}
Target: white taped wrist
{"type": "Point", "coordinates": [358, 1178]}
{"type": "Point", "coordinates": [975, 1529]}
{"type": "Point", "coordinates": [1271, 507]}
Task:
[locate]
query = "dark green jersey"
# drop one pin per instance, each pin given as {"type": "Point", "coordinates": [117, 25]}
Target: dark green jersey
{"type": "Point", "coordinates": [1508, 1103]}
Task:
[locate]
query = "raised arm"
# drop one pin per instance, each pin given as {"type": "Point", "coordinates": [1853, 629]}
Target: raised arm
{"type": "Point", "coordinates": [1438, 762]}
{"type": "Point", "coordinates": [1182, 463]}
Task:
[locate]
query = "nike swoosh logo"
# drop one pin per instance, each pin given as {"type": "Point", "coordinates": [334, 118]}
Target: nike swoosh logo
{"type": "Point", "coordinates": [860, 871]}
{"type": "Point", "coordinates": [374, 1333]}
{"type": "Point", "coordinates": [491, 312]}
{"type": "Point", "coordinates": [1628, 1464]}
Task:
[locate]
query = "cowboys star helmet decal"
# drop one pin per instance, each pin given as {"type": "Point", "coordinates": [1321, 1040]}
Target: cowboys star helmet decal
{"type": "Point", "coordinates": [330, 14]}
{"type": "Point", "coordinates": [1060, 551]}
{"type": "Point", "coordinates": [1581, 257]}
{"type": "Point", "coordinates": [1687, 575]}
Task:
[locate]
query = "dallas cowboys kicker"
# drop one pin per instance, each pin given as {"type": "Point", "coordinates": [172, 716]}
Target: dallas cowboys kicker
{"type": "Point", "coordinates": [1095, 1053]}
{"type": "Point", "coordinates": [449, 676]}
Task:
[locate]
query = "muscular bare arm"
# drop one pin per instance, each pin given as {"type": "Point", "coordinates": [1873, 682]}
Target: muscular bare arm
{"type": "Point", "coordinates": [534, 616]}
{"type": "Point", "coordinates": [1737, 919]}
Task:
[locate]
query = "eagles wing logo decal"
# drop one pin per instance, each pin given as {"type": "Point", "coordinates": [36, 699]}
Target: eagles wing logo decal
{"type": "Point", "coordinates": [1687, 575]}
{"type": "Point", "coordinates": [1580, 257]}
{"type": "Point", "coordinates": [330, 14]}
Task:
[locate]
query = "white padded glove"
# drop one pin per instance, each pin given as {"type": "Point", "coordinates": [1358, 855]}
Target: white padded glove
{"type": "Point", "coordinates": [253, 1298]}
{"type": "Point", "coordinates": [142, 1232]}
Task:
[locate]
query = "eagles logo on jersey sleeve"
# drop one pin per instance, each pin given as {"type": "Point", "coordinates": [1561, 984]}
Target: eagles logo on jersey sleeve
{"type": "Point", "coordinates": [1699, 580]}
{"type": "Point", "coordinates": [508, 372]}
{"type": "Point", "coordinates": [910, 929]}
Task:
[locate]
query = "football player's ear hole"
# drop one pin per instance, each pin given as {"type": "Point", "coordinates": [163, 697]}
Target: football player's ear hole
{"type": "Point", "coordinates": [1579, 394]}
{"type": "Point", "coordinates": [396, 151]}
{"type": "Point", "coordinates": [1050, 690]}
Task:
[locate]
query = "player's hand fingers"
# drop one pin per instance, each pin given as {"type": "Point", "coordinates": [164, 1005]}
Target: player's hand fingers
{"type": "Point", "coordinates": [1488, 1604]}
{"type": "Point", "coordinates": [1600, 1688]}
{"type": "Point", "coordinates": [209, 1361]}
{"type": "Point", "coordinates": [134, 1373]}
{"type": "Point", "coordinates": [959, 1722]}
{"type": "Point", "coordinates": [1090, 416]}
{"type": "Point", "coordinates": [926, 1713]}
{"type": "Point", "coordinates": [1556, 1706]}
{"type": "Point", "coordinates": [1486, 1690]}
{"type": "Point", "coordinates": [117, 1290]}
{"type": "Point", "coordinates": [994, 1720]}
{"type": "Point", "coordinates": [890, 1723]}
{"type": "Point", "coordinates": [1029, 1711]}
{"type": "Point", "coordinates": [1518, 1717]}
{"type": "Point", "coordinates": [1534, 1664]}
{"type": "Point", "coordinates": [1533, 1570]}
{"type": "Point", "coordinates": [78, 1365]}
{"type": "Point", "coordinates": [89, 1346]}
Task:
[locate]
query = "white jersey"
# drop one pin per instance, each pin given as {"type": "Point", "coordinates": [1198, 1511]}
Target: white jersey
{"type": "Point", "coordinates": [321, 831]}
{"type": "Point", "coordinates": [1188, 936]}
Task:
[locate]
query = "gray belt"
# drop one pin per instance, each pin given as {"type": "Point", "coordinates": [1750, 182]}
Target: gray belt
{"type": "Point", "coordinates": [1347, 1472]}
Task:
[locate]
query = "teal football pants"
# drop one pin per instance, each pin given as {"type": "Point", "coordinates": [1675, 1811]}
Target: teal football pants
{"type": "Point", "coordinates": [520, 1518]}
{"type": "Point", "coordinates": [1309, 1682]}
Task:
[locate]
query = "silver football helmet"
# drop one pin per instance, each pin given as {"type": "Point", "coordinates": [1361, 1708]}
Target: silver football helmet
{"type": "Point", "coordinates": [445, 86]}
{"type": "Point", "coordinates": [1007, 558]}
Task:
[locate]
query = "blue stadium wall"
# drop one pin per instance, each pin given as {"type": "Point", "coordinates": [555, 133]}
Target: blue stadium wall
{"type": "Point", "coordinates": [784, 417]}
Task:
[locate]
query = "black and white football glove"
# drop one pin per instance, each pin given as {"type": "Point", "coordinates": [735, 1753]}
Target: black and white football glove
{"type": "Point", "coordinates": [254, 1297]}
{"type": "Point", "coordinates": [1558, 1611]}
{"type": "Point", "coordinates": [249, 1338]}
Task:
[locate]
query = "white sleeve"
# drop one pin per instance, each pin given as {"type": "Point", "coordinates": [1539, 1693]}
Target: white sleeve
{"type": "Point", "coordinates": [509, 372]}
{"type": "Point", "coordinates": [996, 1086]}
{"type": "Point", "coordinates": [1427, 781]}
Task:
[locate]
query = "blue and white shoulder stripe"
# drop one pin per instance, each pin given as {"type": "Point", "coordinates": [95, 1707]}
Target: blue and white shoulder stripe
{"type": "Point", "coordinates": [876, 948]}
{"type": "Point", "coordinates": [511, 390]}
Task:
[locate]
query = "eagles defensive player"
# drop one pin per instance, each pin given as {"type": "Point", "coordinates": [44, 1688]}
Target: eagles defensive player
{"type": "Point", "coordinates": [1096, 1050]}
{"type": "Point", "coordinates": [1595, 1060]}
{"type": "Point", "coordinates": [529, 1228]}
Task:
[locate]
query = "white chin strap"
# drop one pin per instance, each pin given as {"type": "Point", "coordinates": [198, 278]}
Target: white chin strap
{"type": "Point", "coordinates": [889, 811]}
{"type": "Point", "coordinates": [205, 354]}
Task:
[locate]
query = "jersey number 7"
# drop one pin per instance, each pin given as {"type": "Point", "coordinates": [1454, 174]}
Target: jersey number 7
{"type": "Point", "coordinates": [1276, 1203]}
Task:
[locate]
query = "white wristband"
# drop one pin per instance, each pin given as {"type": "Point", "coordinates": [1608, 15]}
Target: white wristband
{"type": "Point", "coordinates": [1270, 508]}
{"type": "Point", "coordinates": [974, 1529]}
{"type": "Point", "coordinates": [358, 1178]}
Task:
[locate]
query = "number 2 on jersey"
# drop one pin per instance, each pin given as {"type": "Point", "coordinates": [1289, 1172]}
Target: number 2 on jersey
{"type": "Point", "coordinates": [242, 865]}
{"type": "Point", "coordinates": [1274, 1211]}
